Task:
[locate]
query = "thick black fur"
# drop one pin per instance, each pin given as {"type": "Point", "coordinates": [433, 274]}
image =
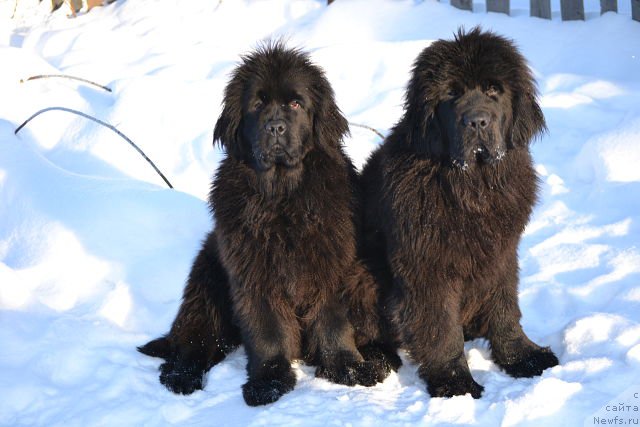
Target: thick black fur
{"type": "Point", "coordinates": [279, 273]}
{"type": "Point", "coordinates": [447, 198]}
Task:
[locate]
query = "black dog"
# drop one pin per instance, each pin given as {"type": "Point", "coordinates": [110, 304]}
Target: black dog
{"type": "Point", "coordinates": [447, 197]}
{"type": "Point", "coordinates": [279, 272]}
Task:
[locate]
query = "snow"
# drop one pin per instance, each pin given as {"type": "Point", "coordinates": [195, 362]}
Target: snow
{"type": "Point", "coordinates": [94, 249]}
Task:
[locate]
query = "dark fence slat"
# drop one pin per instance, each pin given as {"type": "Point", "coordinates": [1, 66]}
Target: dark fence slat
{"type": "Point", "coordinates": [540, 8]}
{"type": "Point", "coordinates": [572, 10]}
{"type": "Point", "coordinates": [500, 6]}
{"type": "Point", "coordinates": [608, 6]}
{"type": "Point", "coordinates": [462, 4]}
{"type": "Point", "coordinates": [76, 5]}
{"type": "Point", "coordinates": [55, 4]}
{"type": "Point", "coordinates": [635, 10]}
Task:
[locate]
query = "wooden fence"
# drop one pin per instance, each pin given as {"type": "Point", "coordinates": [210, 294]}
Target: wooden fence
{"type": "Point", "coordinates": [569, 9]}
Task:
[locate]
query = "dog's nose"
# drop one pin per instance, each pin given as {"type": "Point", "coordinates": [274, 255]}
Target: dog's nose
{"type": "Point", "coordinates": [276, 127]}
{"type": "Point", "coordinates": [476, 120]}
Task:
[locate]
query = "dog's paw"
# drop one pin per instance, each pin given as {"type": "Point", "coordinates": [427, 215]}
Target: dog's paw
{"type": "Point", "coordinates": [454, 386]}
{"type": "Point", "coordinates": [366, 373]}
{"type": "Point", "coordinates": [181, 378]}
{"type": "Point", "coordinates": [345, 374]}
{"type": "Point", "coordinates": [347, 368]}
{"type": "Point", "coordinates": [263, 391]}
{"type": "Point", "coordinates": [453, 379]}
{"type": "Point", "coordinates": [371, 372]}
{"type": "Point", "coordinates": [269, 383]}
{"type": "Point", "coordinates": [383, 354]}
{"type": "Point", "coordinates": [531, 363]}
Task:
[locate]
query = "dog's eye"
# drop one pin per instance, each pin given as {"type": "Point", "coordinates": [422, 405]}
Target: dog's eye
{"type": "Point", "coordinates": [294, 105]}
{"type": "Point", "coordinates": [492, 91]}
{"type": "Point", "coordinates": [453, 93]}
{"type": "Point", "coordinates": [257, 104]}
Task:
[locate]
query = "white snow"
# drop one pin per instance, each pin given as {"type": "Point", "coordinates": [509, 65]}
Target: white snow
{"type": "Point", "coordinates": [95, 250]}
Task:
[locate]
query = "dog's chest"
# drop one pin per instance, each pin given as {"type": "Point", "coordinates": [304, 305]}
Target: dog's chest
{"type": "Point", "coordinates": [289, 242]}
{"type": "Point", "coordinates": [287, 226]}
{"type": "Point", "coordinates": [454, 217]}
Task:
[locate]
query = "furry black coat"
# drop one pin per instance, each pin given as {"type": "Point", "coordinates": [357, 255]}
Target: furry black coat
{"type": "Point", "coordinates": [279, 273]}
{"type": "Point", "coordinates": [447, 197]}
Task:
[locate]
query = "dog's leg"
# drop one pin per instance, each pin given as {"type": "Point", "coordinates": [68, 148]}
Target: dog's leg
{"type": "Point", "coordinates": [511, 348]}
{"type": "Point", "coordinates": [203, 332]}
{"type": "Point", "coordinates": [332, 346]}
{"type": "Point", "coordinates": [429, 324]}
{"type": "Point", "coordinates": [372, 331]}
{"type": "Point", "coordinates": [271, 337]}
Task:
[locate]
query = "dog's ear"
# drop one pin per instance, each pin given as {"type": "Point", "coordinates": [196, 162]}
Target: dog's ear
{"type": "Point", "coordinates": [528, 120]}
{"type": "Point", "coordinates": [329, 124]}
{"type": "Point", "coordinates": [421, 101]}
{"type": "Point", "coordinates": [434, 142]}
{"type": "Point", "coordinates": [420, 125]}
{"type": "Point", "coordinates": [227, 128]}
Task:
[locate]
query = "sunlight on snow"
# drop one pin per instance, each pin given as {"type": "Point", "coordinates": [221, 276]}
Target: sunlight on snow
{"type": "Point", "coordinates": [59, 277]}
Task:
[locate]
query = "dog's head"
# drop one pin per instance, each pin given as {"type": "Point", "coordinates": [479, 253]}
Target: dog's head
{"type": "Point", "coordinates": [277, 107]}
{"type": "Point", "coordinates": [472, 99]}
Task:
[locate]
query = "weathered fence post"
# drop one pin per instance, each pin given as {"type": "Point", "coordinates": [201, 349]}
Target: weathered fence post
{"type": "Point", "coordinates": [608, 6]}
{"type": "Point", "coordinates": [635, 9]}
{"type": "Point", "coordinates": [462, 4]}
{"type": "Point", "coordinates": [540, 8]}
{"type": "Point", "coordinates": [572, 10]}
{"type": "Point", "coordinates": [500, 6]}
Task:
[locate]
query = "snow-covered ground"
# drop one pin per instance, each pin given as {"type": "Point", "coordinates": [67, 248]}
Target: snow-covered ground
{"type": "Point", "coordinates": [94, 249]}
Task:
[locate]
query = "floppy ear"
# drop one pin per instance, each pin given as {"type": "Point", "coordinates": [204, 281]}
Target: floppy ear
{"type": "Point", "coordinates": [528, 120]}
{"type": "Point", "coordinates": [226, 130]}
{"type": "Point", "coordinates": [434, 143]}
{"type": "Point", "coordinates": [420, 121]}
{"type": "Point", "coordinates": [329, 125]}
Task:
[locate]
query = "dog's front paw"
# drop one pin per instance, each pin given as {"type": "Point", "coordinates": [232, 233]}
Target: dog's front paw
{"type": "Point", "coordinates": [264, 391]}
{"type": "Point", "coordinates": [267, 384]}
{"type": "Point", "coordinates": [531, 363]}
{"type": "Point", "coordinates": [181, 378]}
{"type": "Point", "coordinates": [454, 387]}
{"type": "Point", "coordinates": [384, 354]}
{"type": "Point", "coordinates": [369, 373]}
{"type": "Point", "coordinates": [364, 373]}
{"type": "Point", "coordinates": [345, 368]}
{"type": "Point", "coordinates": [452, 380]}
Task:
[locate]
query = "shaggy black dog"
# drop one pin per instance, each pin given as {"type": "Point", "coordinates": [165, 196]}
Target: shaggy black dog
{"type": "Point", "coordinates": [447, 197]}
{"type": "Point", "coordinates": [279, 272]}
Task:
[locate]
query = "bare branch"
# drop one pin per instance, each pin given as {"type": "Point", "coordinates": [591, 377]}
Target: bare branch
{"type": "Point", "coordinates": [367, 127]}
{"type": "Point", "coordinates": [100, 122]}
{"type": "Point", "coordinates": [15, 7]}
{"type": "Point", "coordinates": [64, 76]}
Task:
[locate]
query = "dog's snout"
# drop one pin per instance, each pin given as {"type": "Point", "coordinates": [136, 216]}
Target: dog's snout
{"type": "Point", "coordinates": [476, 120]}
{"type": "Point", "coordinates": [276, 127]}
